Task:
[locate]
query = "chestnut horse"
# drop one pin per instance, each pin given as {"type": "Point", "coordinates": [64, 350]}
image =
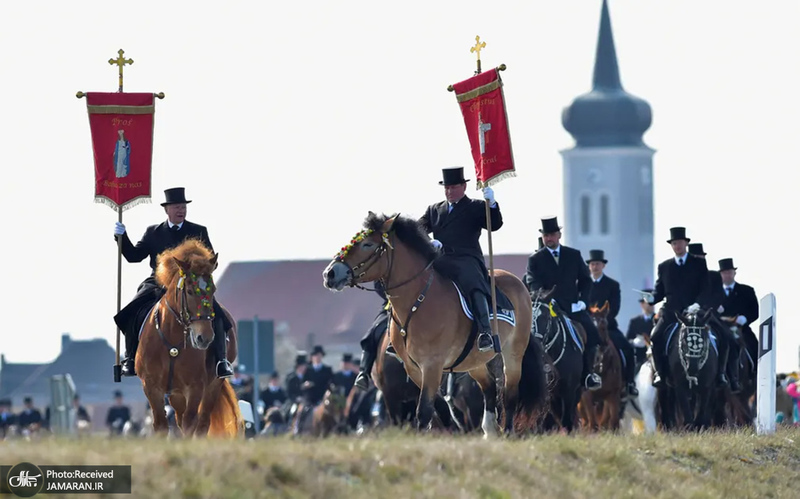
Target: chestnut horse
{"type": "Point", "coordinates": [429, 330]}
{"type": "Point", "coordinates": [601, 408]}
{"type": "Point", "coordinates": [173, 358]}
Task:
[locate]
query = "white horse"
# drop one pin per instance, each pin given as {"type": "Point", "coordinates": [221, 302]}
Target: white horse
{"type": "Point", "coordinates": [641, 410]}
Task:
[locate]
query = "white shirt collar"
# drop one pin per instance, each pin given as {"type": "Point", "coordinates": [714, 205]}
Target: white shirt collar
{"type": "Point", "coordinates": [599, 278]}
{"type": "Point", "coordinates": [681, 259]}
{"type": "Point", "coordinates": [558, 248]}
{"type": "Point", "coordinates": [180, 225]}
{"type": "Point", "coordinates": [731, 285]}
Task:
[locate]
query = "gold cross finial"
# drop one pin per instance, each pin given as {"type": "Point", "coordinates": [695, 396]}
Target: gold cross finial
{"type": "Point", "coordinates": [478, 46]}
{"type": "Point", "coordinates": [477, 49]}
{"type": "Point", "coordinates": [120, 61]}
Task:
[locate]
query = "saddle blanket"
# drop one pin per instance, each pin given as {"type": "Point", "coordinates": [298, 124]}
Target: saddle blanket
{"type": "Point", "coordinates": [502, 314]}
{"type": "Point", "coordinates": [143, 319]}
{"type": "Point", "coordinates": [674, 328]}
{"type": "Point", "coordinates": [573, 333]}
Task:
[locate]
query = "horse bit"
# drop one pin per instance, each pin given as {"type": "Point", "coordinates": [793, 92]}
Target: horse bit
{"type": "Point", "coordinates": [185, 318]}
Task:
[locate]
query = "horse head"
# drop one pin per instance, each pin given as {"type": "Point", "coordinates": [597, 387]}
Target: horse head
{"type": "Point", "coordinates": [694, 343]}
{"type": "Point", "coordinates": [370, 254]}
{"type": "Point", "coordinates": [600, 317]}
{"type": "Point", "coordinates": [360, 260]}
{"type": "Point", "coordinates": [186, 273]}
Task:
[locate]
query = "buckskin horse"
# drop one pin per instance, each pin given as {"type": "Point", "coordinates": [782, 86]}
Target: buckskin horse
{"type": "Point", "coordinates": [173, 358]}
{"type": "Point", "coordinates": [564, 351]}
{"type": "Point", "coordinates": [429, 330]}
{"type": "Point", "coordinates": [601, 409]}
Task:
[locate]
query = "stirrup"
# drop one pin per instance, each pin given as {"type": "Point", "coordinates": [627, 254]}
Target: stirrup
{"type": "Point", "coordinates": [225, 364]}
{"type": "Point", "coordinates": [488, 347]}
{"type": "Point", "coordinates": [593, 378]}
{"type": "Point", "coordinates": [129, 371]}
{"type": "Point", "coordinates": [362, 381]}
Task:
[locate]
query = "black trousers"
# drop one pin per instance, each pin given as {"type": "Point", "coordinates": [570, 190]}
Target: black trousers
{"type": "Point", "coordinates": [592, 339]}
{"type": "Point", "coordinates": [623, 345]}
{"type": "Point", "coordinates": [372, 339]}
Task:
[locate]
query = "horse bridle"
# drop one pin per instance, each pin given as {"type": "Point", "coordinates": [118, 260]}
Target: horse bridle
{"type": "Point", "coordinates": [372, 259]}
{"type": "Point", "coordinates": [184, 317]}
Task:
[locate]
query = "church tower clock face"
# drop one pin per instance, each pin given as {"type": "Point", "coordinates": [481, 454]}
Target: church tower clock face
{"type": "Point", "coordinates": [595, 176]}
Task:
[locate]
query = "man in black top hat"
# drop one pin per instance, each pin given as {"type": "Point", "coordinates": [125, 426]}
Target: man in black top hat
{"type": "Point", "coordinates": [296, 378]}
{"type": "Point", "coordinates": [319, 376]}
{"type": "Point", "coordinates": [606, 290]}
{"type": "Point", "coordinates": [273, 395]}
{"type": "Point", "coordinates": [643, 323]}
{"type": "Point", "coordinates": [681, 281]}
{"type": "Point", "coordinates": [711, 299]}
{"type": "Point", "coordinates": [346, 377]}
{"type": "Point", "coordinates": [456, 224]}
{"type": "Point", "coordinates": [156, 239]}
{"type": "Point", "coordinates": [563, 267]}
{"type": "Point", "coordinates": [371, 341]}
{"type": "Point", "coordinates": [118, 415]}
{"type": "Point", "coordinates": [740, 304]}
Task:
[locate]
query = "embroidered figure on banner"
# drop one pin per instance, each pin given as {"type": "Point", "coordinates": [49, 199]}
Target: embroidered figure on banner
{"type": "Point", "coordinates": [122, 155]}
{"type": "Point", "coordinates": [482, 129]}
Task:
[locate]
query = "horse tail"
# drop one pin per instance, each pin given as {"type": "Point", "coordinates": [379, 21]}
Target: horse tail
{"type": "Point", "coordinates": [533, 392]}
{"type": "Point", "coordinates": [226, 419]}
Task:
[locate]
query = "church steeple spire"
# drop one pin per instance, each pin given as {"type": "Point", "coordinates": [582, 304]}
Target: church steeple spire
{"type": "Point", "coordinates": [606, 69]}
{"type": "Point", "coordinates": [607, 116]}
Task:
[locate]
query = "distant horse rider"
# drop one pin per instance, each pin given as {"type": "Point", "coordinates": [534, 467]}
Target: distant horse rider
{"type": "Point", "coordinates": [711, 299]}
{"type": "Point", "coordinates": [740, 303]}
{"type": "Point", "coordinates": [156, 239]}
{"type": "Point", "coordinates": [563, 267]}
{"type": "Point", "coordinates": [372, 340]}
{"type": "Point", "coordinates": [642, 324]}
{"type": "Point", "coordinates": [605, 289]}
{"type": "Point", "coordinates": [681, 281]}
{"type": "Point", "coordinates": [456, 224]}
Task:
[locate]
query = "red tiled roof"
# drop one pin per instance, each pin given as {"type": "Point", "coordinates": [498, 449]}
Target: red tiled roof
{"type": "Point", "coordinates": [292, 291]}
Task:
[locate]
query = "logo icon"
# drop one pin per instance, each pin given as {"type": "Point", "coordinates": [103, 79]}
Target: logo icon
{"type": "Point", "coordinates": [25, 480]}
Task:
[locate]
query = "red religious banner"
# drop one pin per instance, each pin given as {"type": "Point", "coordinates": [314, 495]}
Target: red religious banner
{"type": "Point", "coordinates": [122, 141]}
{"type": "Point", "coordinates": [484, 110]}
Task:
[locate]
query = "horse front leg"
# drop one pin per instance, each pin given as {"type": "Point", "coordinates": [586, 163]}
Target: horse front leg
{"type": "Point", "coordinates": [431, 378]}
{"type": "Point", "coordinates": [190, 420]}
{"type": "Point", "coordinates": [209, 400]}
{"type": "Point", "coordinates": [155, 396]}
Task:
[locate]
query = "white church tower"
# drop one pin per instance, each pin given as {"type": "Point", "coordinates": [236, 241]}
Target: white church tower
{"type": "Point", "coordinates": [608, 181]}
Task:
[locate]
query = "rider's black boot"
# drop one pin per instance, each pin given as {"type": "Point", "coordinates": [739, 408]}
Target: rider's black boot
{"type": "Point", "coordinates": [129, 362]}
{"type": "Point", "coordinates": [224, 367]}
{"type": "Point", "coordinates": [733, 368]}
{"type": "Point", "coordinates": [591, 380]}
{"type": "Point", "coordinates": [481, 314]}
{"type": "Point", "coordinates": [365, 369]}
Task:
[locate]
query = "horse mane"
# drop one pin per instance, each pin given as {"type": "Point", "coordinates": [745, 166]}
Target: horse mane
{"type": "Point", "coordinates": [408, 230]}
{"type": "Point", "coordinates": [191, 251]}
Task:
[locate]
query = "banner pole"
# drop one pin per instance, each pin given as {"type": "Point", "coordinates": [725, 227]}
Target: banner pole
{"type": "Point", "coordinates": [117, 365]}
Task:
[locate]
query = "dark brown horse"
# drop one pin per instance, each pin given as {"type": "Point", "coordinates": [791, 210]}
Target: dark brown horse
{"type": "Point", "coordinates": [328, 416]}
{"type": "Point", "coordinates": [173, 358]}
{"type": "Point", "coordinates": [600, 409]}
{"type": "Point", "coordinates": [429, 330]}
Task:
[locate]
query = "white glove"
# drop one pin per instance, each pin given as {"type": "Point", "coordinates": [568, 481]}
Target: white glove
{"type": "Point", "coordinates": [488, 194]}
{"type": "Point", "coordinates": [577, 307]}
{"type": "Point", "coordinates": [119, 229]}
{"type": "Point", "coordinates": [693, 308]}
{"type": "Point", "coordinates": [741, 320]}
{"type": "Point", "coordinates": [436, 244]}
{"type": "Point", "coordinates": [720, 309]}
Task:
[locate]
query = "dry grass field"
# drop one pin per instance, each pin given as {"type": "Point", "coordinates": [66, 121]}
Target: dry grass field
{"type": "Point", "coordinates": [403, 465]}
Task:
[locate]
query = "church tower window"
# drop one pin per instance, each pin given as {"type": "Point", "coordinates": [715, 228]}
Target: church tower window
{"type": "Point", "coordinates": [586, 213]}
{"type": "Point", "coordinates": [605, 215]}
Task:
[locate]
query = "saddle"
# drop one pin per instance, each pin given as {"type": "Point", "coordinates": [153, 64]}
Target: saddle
{"type": "Point", "coordinates": [565, 325]}
{"type": "Point", "coordinates": [505, 309]}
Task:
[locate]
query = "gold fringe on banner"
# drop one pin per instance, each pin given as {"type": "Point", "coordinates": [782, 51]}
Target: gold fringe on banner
{"type": "Point", "coordinates": [130, 204]}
